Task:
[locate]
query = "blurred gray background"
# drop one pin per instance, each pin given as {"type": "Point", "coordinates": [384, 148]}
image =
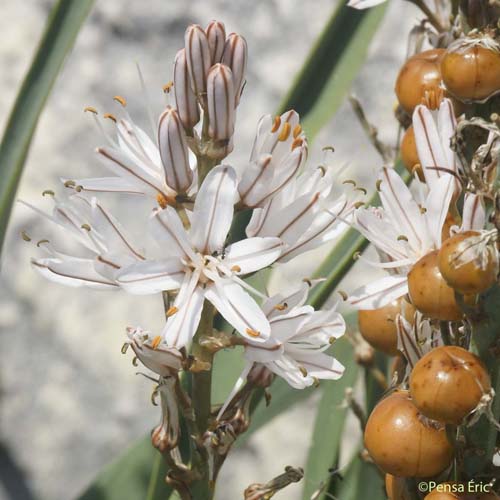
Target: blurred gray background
{"type": "Point", "coordinates": [70, 402]}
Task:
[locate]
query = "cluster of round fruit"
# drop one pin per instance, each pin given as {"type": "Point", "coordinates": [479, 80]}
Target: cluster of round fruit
{"type": "Point", "coordinates": [467, 71]}
{"type": "Point", "coordinates": [405, 434]}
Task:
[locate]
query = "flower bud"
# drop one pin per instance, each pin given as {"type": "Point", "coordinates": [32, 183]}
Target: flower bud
{"type": "Point", "coordinates": [174, 151]}
{"type": "Point", "coordinates": [235, 57]}
{"type": "Point", "coordinates": [198, 59]}
{"type": "Point", "coordinates": [220, 96]}
{"type": "Point", "coordinates": [185, 100]}
{"type": "Point", "coordinates": [216, 35]}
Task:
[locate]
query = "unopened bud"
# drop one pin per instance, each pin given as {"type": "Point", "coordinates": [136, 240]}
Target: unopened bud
{"type": "Point", "coordinates": [235, 57]}
{"type": "Point", "coordinates": [174, 151]}
{"type": "Point", "coordinates": [216, 35]}
{"type": "Point", "coordinates": [220, 96]}
{"type": "Point", "coordinates": [186, 103]}
{"type": "Point", "coordinates": [198, 59]}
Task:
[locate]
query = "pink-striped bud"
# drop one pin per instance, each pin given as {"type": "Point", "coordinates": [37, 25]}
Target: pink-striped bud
{"type": "Point", "coordinates": [235, 57]}
{"type": "Point", "coordinates": [198, 59]}
{"type": "Point", "coordinates": [220, 96]}
{"type": "Point", "coordinates": [216, 35]}
{"type": "Point", "coordinates": [174, 151]}
{"type": "Point", "coordinates": [185, 100]}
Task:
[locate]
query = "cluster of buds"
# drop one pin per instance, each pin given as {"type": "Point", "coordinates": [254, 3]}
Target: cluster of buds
{"type": "Point", "coordinates": [209, 76]}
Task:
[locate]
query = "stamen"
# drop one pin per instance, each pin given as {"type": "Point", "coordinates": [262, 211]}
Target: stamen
{"type": "Point", "coordinates": [109, 116]}
{"type": "Point", "coordinates": [162, 200]}
{"type": "Point", "coordinates": [41, 242]}
{"type": "Point", "coordinates": [48, 192]}
{"type": "Point", "coordinates": [349, 181]}
{"type": "Point", "coordinates": [362, 189]}
{"type": "Point", "coordinates": [70, 184]}
{"type": "Point", "coordinates": [90, 109]}
{"type": "Point", "coordinates": [86, 227]}
{"type": "Point", "coordinates": [359, 204]}
{"type": "Point", "coordinates": [156, 342]}
{"type": "Point", "coordinates": [297, 143]}
{"type": "Point", "coordinates": [296, 131]}
{"type": "Point", "coordinates": [25, 236]}
{"type": "Point", "coordinates": [329, 148]}
{"type": "Point", "coordinates": [377, 184]}
{"type": "Point", "coordinates": [135, 361]}
{"type": "Point", "coordinates": [252, 333]}
{"type": "Point", "coordinates": [236, 269]}
{"type": "Point", "coordinates": [331, 340]}
{"type": "Point", "coordinates": [171, 311]}
{"type": "Point", "coordinates": [402, 237]}
{"type": "Point", "coordinates": [285, 132]}
{"type": "Point", "coordinates": [315, 381]}
{"type": "Point", "coordinates": [281, 307]}
{"type": "Point", "coordinates": [343, 295]}
{"type": "Point", "coordinates": [121, 100]}
{"type": "Point", "coordinates": [303, 371]}
{"type": "Point", "coordinates": [154, 395]}
{"type": "Point", "coordinates": [124, 348]}
{"type": "Point", "coordinates": [167, 88]}
{"type": "Point", "coordinates": [276, 125]}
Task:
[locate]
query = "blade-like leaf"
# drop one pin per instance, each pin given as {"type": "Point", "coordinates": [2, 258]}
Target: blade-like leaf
{"type": "Point", "coordinates": [329, 425]}
{"type": "Point", "coordinates": [353, 31]}
{"type": "Point", "coordinates": [138, 473]}
{"type": "Point", "coordinates": [62, 28]}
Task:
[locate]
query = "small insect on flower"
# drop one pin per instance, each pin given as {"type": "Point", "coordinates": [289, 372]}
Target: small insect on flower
{"type": "Point", "coordinates": [448, 383]}
{"type": "Point", "coordinates": [423, 449]}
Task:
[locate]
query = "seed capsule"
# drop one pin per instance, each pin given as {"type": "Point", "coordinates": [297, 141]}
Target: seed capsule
{"type": "Point", "coordinates": [378, 326]}
{"type": "Point", "coordinates": [429, 292]}
{"type": "Point", "coordinates": [409, 153]}
{"type": "Point", "coordinates": [446, 491]}
{"type": "Point", "coordinates": [419, 74]}
{"type": "Point", "coordinates": [422, 448]}
{"type": "Point", "coordinates": [448, 383]}
{"type": "Point", "coordinates": [471, 72]}
{"type": "Point", "coordinates": [468, 276]}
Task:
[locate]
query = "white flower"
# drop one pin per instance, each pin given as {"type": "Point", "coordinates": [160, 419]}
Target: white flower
{"type": "Point", "coordinates": [434, 131]}
{"type": "Point", "coordinates": [153, 352]}
{"type": "Point", "coordinates": [295, 349]}
{"type": "Point", "coordinates": [199, 266]}
{"type": "Point", "coordinates": [403, 230]}
{"type": "Point", "coordinates": [105, 245]}
{"type": "Point", "coordinates": [364, 4]}
{"type": "Point", "coordinates": [307, 213]}
{"type": "Point", "coordinates": [157, 169]}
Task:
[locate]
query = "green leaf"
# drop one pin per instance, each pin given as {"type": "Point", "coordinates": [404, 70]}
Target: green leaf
{"type": "Point", "coordinates": [62, 28]}
{"type": "Point", "coordinates": [329, 424]}
{"type": "Point", "coordinates": [139, 470]}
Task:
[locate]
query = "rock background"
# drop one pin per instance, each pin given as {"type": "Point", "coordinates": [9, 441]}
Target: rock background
{"type": "Point", "coordinates": [70, 401]}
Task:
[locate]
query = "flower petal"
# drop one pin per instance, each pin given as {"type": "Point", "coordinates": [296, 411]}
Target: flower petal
{"type": "Point", "coordinates": [213, 210]}
{"type": "Point", "coordinates": [239, 309]}
{"type": "Point", "coordinates": [474, 214]}
{"type": "Point", "coordinates": [152, 276]}
{"type": "Point", "coordinates": [379, 293]}
{"type": "Point", "coordinates": [321, 366]}
{"type": "Point", "coordinates": [364, 4]}
{"type": "Point", "coordinates": [181, 327]}
{"type": "Point", "coordinates": [252, 254]}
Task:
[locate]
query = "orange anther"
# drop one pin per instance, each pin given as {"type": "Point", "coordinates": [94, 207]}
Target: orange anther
{"type": "Point", "coordinates": [156, 342]}
{"type": "Point", "coordinates": [297, 130]}
{"type": "Point", "coordinates": [285, 132]}
{"type": "Point", "coordinates": [90, 109]}
{"type": "Point", "coordinates": [110, 117]}
{"type": "Point", "coordinates": [252, 333]}
{"type": "Point", "coordinates": [276, 124]}
{"type": "Point", "coordinates": [121, 100]}
{"type": "Point", "coordinates": [236, 269]}
{"type": "Point", "coordinates": [171, 311]}
{"type": "Point", "coordinates": [168, 87]}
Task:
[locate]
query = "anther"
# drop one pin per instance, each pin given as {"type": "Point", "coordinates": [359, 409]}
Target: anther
{"type": "Point", "coordinates": [86, 227]}
{"type": "Point", "coordinates": [109, 116]}
{"type": "Point", "coordinates": [350, 181]}
{"type": "Point", "coordinates": [303, 371]}
{"type": "Point", "coordinates": [121, 100]}
{"type": "Point", "coordinates": [276, 125]}
{"type": "Point", "coordinates": [70, 184]}
{"type": "Point", "coordinates": [323, 170]}
{"type": "Point", "coordinates": [359, 204]}
{"type": "Point", "coordinates": [162, 201]}
{"type": "Point", "coordinates": [236, 269]}
{"type": "Point", "coordinates": [41, 242]}
{"type": "Point", "coordinates": [297, 143]}
{"type": "Point", "coordinates": [308, 281]}
{"type": "Point", "coordinates": [402, 237]}
{"type": "Point", "coordinates": [378, 184]}
{"type": "Point", "coordinates": [281, 307]}
{"type": "Point", "coordinates": [135, 361]}
{"type": "Point", "coordinates": [285, 132]}
{"type": "Point", "coordinates": [168, 87]}
{"type": "Point", "coordinates": [343, 295]}
{"type": "Point", "coordinates": [154, 395]}
{"type": "Point", "coordinates": [362, 189]}
{"type": "Point", "coordinates": [423, 210]}
{"type": "Point", "coordinates": [171, 311]}
{"type": "Point", "coordinates": [48, 192]}
{"type": "Point", "coordinates": [25, 236]}
{"type": "Point", "coordinates": [252, 333]}
{"type": "Point", "coordinates": [156, 342]}
{"type": "Point", "coordinates": [78, 189]}
{"type": "Point", "coordinates": [296, 131]}
{"type": "Point", "coordinates": [90, 109]}
{"type": "Point", "coordinates": [331, 340]}
{"type": "Point", "coordinates": [125, 347]}
{"type": "Point", "coordinates": [329, 148]}
{"type": "Point", "coordinates": [315, 381]}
